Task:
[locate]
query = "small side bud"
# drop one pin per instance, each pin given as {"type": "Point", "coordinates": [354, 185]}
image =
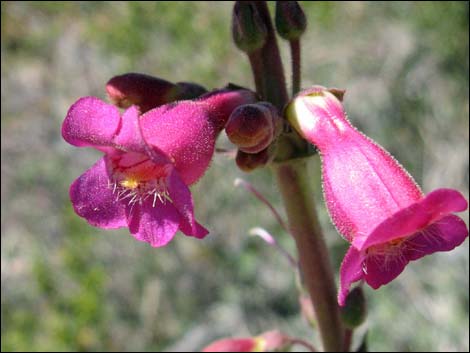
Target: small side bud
{"type": "Point", "coordinates": [250, 161]}
{"type": "Point", "coordinates": [248, 29]}
{"type": "Point", "coordinates": [148, 92]}
{"type": "Point", "coordinates": [354, 311]}
{"type": "Point", "coordinates": [253, 127]}
{"type": "Point", "coordinates": [290, 20]}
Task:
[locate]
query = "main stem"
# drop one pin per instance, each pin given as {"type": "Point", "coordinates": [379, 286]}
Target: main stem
{"type": "Point", "coordinates": [298, 197]}
{"type": "Point", "coordinates": [298, 200]}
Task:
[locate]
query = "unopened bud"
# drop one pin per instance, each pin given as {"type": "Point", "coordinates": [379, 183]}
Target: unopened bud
{"type": "Point", "coordinates": [148, 92]}
{"type": "Point", "coordinates": [354, 311]}
{"type": "Point", "coordinates": [250, 161]}
{"type": "Point", "coordinates": [253, 127]}
{"type": "Point", "coordinates": [290, 19]}
{"type": "Point", "coordinates": [248, 29]}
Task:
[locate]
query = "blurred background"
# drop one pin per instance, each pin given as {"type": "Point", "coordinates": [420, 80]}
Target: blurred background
{"type": "Point", "coordinates": [69, 286]}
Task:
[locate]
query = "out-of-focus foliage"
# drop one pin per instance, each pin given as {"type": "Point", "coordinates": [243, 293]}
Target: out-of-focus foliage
{"type": "Point", "coordinates": [69, 286]}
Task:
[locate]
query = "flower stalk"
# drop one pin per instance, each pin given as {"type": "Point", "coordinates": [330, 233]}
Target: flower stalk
{"type": "Point", "coordinates": [272, 72]}
{"type": "Point", "coordinates": [297, 195]}
{"type": "Point", "coordinates": [295, 57]}
{"type": "Point", "coordinates": [291, 24]}
{"type": "Point", "coordinates": [298, 200]}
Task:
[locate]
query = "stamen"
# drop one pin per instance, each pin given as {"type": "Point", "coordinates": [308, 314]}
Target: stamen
{"type": "Point", "coordinates": [154, 199]}
{"type": "Point", "coordinates": [134, 191]}
{"type": "Point", "coordinates": [134, 199]}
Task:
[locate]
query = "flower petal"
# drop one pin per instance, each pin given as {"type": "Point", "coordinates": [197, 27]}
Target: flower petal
{"type": "Point", "coordinates": [350, 272]}
{"type": "Point", "coordinates": [443, 235]}
{"type": "Point", "coordinates": [386, 262]}
{"type": "Point", "coordinates": [382, 268]}
{"type": "Point", "coordinates": [363, 184]}
{"type": "Point", "coordinates": [129, 138]}
{"type": "Point", "coordinates": [444, 201]}
{"type": "Point", "coordinates": [198, 231]}
{"type": "Point", "coordinates": [249, 344]}
{"type": "Point", "coordinates": [183, 131]}
{"type": "Point", "coordinates": [183, 201]}
{"type": "Point", "coordinates": [156, 225]}
{"type": "Point", "coordinates": [413, 218]}
{"type": "Point", "coordinates": [93, 198]}
{"type": "Point", "coordinates": [91, 122]}
{"type": "Point", "coordinates": [401, 224]}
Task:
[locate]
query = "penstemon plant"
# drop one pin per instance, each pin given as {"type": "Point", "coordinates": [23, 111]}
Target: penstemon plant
{"type": "Point", "coordinates": [164, 140]}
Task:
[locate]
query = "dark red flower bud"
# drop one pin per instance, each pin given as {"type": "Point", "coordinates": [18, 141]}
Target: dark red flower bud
{"type": "Point", "coordinates": [290, 19]}
{"type": "Point", "coordinates": [248, 29]}
{"type": "Point", "coordinates": [148, 92]}
{"type": "Point", "coordinates": [250, 161]}
{"type": "Point", "coordinates": [253, 127]}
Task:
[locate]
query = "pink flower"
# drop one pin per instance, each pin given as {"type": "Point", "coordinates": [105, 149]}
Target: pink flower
{"type": "Point", "coordinates": [266, 342]}
{"type": "Point", "coordinates": [249, 344]}
{"type": "Point", "coordinates": [372, 200]}
{"type": "Point", "coordinates": [142, 180]}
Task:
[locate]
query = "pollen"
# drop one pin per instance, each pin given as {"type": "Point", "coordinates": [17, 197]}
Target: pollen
{"type": "Point", "coordinates": [130, 183]}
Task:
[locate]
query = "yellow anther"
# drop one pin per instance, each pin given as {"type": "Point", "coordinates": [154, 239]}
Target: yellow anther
{"type": "Point", "coordinates": [130, 183]}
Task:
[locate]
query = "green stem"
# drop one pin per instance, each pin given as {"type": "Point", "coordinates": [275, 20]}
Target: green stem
{"type": "Point", "coordinates": [298, 200]}
{"type": "Point", "coordinates": [295, 56]}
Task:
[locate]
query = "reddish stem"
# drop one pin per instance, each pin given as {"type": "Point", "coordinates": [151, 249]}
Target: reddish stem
{"type": "Point", "coordinates": [295, 56]}
{"type": "Point", "coordinates": [294, 183]}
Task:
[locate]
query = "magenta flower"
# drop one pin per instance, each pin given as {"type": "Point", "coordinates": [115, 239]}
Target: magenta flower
{"type": "Point", "coordinates": [248, 344]}
{"type": "Point", "coordinates": [372, 200]}
{"type": "Point", "coordinates": [142, 180]}
{"type": "Point", "coordinates": [269, 341]}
